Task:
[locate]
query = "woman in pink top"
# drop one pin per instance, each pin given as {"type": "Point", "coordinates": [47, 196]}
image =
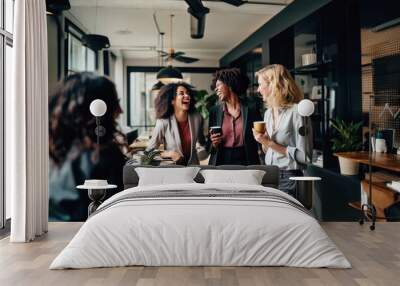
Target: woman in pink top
{"type": "Point", "coordinates": [235, 145]}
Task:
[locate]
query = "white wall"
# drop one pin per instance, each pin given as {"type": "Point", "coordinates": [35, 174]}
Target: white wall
{"type": "Point", "coordinates": [201, 81]}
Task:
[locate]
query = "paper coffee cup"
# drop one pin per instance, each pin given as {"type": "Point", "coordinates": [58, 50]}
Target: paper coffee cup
{"type": "Point", "coordinates": [259, 126]}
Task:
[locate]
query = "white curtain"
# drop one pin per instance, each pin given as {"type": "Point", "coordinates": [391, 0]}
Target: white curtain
{"type": "Point", "coordinates": [27, 123]}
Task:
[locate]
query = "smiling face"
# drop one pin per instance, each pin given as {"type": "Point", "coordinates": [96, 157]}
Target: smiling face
{"type": "Point", "coordinates": [223, 91]}
{"type": "Point", "coordinates": [181, 102]}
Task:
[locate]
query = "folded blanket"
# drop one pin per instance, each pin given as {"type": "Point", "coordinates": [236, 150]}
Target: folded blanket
{"type": "Point", "coordinates": [206, 193]}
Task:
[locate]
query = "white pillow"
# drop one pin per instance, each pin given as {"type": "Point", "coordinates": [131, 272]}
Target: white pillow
{"type": "Point", "coordinates": [248, 177]}
{"type": "Point", "coordinates": [166, 176]}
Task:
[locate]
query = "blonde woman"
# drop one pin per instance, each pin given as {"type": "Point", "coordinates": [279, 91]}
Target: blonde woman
{"type": "Point", "coordinates": [282, 143]}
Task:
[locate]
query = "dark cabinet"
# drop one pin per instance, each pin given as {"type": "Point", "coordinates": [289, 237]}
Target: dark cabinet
{"type": "Point", "coordinates": [322, 51]}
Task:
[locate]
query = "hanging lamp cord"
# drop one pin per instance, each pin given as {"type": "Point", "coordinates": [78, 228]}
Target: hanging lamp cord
{"type": "Point", "coordinates": [95, 20]}
{"type": "Point", "coordinates": [170, 40]}
{"type": "Point", "coordinates": [162, 48]}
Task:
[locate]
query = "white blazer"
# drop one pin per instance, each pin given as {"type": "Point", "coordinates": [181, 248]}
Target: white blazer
{"type": "Point", "coordinates": [166, 132]}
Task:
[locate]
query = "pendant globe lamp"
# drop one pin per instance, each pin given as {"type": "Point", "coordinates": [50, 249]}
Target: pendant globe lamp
{"type": "Point", "coordinates": [158, 85]}
{"type": "Point", "coordinates": [170, 74]}
{"type": "Point", "coordinates": [95, 41]}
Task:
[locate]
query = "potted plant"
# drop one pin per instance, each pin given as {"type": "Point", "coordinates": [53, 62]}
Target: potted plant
{"type": "Point", "coordinates": [148, 157]}
{"type": "Point", "coordinates": [204, 102]}
{"type": "Point", "coordinates": [347, 138]}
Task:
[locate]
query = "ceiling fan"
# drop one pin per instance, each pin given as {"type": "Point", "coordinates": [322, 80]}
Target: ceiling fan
{"type": "Point", "coordinates": [175, 55]}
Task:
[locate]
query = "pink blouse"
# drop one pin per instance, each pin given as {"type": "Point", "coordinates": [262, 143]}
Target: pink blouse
{"type": "Point", "coordinates": [186, 139]}
{"type": "Point", "coordinates": [232, 130]}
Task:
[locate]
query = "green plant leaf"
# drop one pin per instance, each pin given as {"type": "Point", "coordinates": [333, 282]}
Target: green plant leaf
{"type": "Point", "coordinates": [346, 136]}
{"type": "Point", "coordinates": [204, 102]}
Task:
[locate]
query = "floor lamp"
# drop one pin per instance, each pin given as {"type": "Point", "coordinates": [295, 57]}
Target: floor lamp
{"type": "Point", "coordinates": [97, 108]}
{"type": "Point", "coordinates": [305, 108]}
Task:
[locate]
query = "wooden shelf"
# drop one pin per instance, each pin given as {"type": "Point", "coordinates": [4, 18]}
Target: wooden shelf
{"type": "Point", "coordinates": [355, 205]}
{"type": "Point", "coordinates": [310, 69]}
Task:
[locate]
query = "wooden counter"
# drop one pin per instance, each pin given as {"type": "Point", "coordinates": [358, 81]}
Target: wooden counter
{"type": "Point", "coordinates": [382, 160]}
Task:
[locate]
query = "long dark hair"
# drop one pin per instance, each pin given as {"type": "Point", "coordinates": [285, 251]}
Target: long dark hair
{"type": "Point", "coordinates": [163, 101]}
{"type": "Point", "coordinates": [233, 78]}
{"type": "Point", "coordinates": [70, 120]}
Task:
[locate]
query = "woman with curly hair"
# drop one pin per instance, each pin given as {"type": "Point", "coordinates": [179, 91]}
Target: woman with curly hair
{"type": "Point", "coordinates": [236, 144]}
{"type": "Point", "coordinates": [283, 145]}
{"type": "Point", "coordinates": [179, 127]}
{"type": "Point", "coordinates": [74, 152]}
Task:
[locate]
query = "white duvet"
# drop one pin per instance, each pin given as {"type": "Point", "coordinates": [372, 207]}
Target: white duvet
{"type": "Point", "coordinates": [192, 231]}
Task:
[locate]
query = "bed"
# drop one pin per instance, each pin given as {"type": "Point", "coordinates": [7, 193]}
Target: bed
{"type": "Point", "coordinates": [198, 224]}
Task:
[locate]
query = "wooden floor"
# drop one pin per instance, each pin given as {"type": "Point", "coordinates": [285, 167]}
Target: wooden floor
{"type": "Point", "coordinates": [375, 257]}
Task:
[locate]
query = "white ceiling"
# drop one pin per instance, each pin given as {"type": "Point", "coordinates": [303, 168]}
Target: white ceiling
{"type": "Point", "coordinates": [226, 25]}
